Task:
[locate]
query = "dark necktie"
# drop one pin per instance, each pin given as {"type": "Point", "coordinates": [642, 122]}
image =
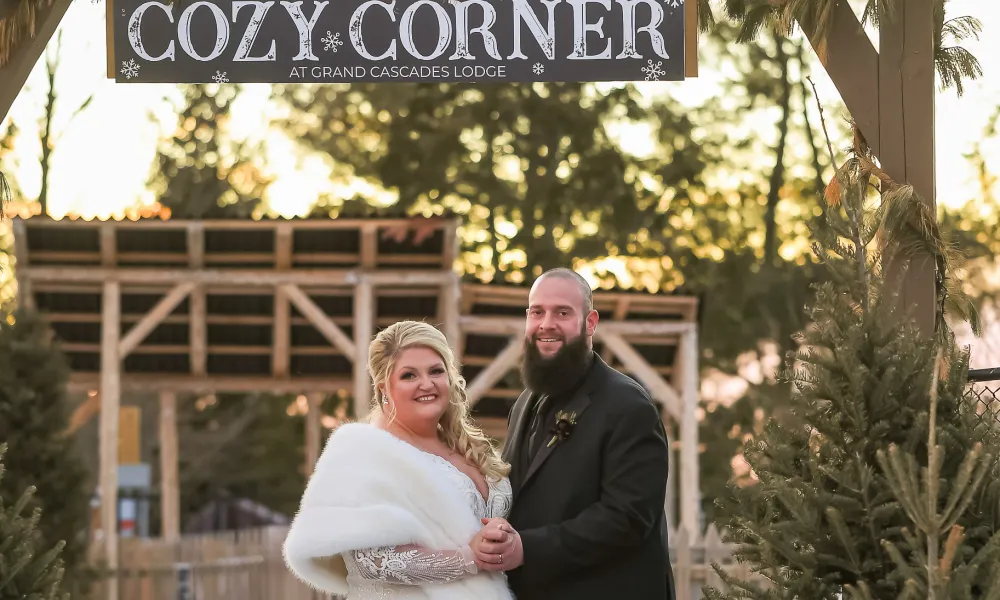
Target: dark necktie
{"type": "Point", "coordinates": [537, 425]}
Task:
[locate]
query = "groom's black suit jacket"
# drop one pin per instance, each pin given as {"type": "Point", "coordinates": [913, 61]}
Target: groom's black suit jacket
{"type": "Point", "coordinates": [590, 508]}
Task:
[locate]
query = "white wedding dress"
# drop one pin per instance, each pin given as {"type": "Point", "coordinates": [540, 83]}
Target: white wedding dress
{"type": "Point", "coordinates": [389, 571]}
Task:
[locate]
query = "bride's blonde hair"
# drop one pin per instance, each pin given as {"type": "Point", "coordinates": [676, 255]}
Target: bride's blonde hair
{"type": "Point", "coordinates": [457, 429]}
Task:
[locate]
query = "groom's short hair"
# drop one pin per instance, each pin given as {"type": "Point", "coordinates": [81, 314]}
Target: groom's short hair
{"type": "Point", "coordinates": [570, 275]}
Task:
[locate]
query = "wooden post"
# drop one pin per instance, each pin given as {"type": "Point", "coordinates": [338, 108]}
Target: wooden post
{"type": "Point", "coordinates": [109, 245]}
{"type": "Point", "coordinates": [25, 297]}
{"type": "Point", "coordinates": [281, 357]}
{"type": "Point", "coordinates": [369, 245]}
{"type": "Point", "coordinates": [448, 314]}
{"type": "Point", "coordinates": [890, 95]}
{"type": "Point", "coordinates": [687, 365]}
{"type": "Point", "coordinates": [170, 507]}
{"type": "Point", "coordinates": [906, 130]}
{"type": "Point", "coordinates": [110, 401]}
{"type": "Point", "coordinates": [314, 431]}
{"type": "Point", "coordinates": [198, 309]}
{"type": "Point", "coordinates": [364, 324]}
{"type": "Point", "coordinates": [282, 333]}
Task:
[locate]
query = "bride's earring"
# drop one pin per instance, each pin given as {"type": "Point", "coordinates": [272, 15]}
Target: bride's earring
{"type": "Point", "coordinates": [384, 399]}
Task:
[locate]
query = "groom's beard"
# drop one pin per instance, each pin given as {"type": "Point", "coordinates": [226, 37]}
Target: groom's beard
{"type": "Point", "coordinates": [559, 372]}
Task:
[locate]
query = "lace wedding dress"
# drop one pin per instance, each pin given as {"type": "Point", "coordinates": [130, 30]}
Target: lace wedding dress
{"type": "Point", "coordinates": [379, 572]}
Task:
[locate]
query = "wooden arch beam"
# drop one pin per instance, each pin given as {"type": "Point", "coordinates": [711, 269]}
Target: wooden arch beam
{"type": "Point", "coordinates": [153, 318]}
{"type": "Point", "coordinates": [501, 365]}
{"type": "Point", "coordinates": [646, 374]}
{"type": "Point", "coordinates": [15, 69]}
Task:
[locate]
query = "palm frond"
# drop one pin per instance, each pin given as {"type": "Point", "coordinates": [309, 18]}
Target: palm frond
{"type": "Point", "coordinates": [955, 65]}
{"type": "Point", "coordinates": [960, 29]}
{"type": "Point", "coordinates": [5, 194]}
{"type": "Point", "coordinates": [706, 17]}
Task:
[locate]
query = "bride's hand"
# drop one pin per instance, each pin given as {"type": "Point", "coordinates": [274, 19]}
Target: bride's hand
{"type": "Point", "coordinates": [493, 541]}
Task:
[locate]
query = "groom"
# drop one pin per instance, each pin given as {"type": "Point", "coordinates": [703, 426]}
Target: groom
{"type": "Point", "coordinates": [588, 457]}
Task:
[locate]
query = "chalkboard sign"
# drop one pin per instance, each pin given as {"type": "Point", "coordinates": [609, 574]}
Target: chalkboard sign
{"type": "Point", "coordinates": [316, 41]}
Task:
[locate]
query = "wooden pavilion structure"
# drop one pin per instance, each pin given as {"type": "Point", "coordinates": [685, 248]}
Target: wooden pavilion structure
{"type": "Point", "coordinates": [191, 308]}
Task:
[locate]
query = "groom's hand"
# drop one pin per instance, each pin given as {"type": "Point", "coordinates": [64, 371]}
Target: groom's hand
{"type": "Point", "coordinates": [497, 546]}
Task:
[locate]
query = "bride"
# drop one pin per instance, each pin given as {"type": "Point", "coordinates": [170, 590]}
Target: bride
{"type": "Point", "coordinates": [397, 506]}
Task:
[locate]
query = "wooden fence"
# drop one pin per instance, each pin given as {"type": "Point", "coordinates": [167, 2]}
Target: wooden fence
{"type": "Point", "coordinates": [247, 565]}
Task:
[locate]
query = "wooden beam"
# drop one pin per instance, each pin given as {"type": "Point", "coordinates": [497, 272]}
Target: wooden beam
{"type": "Point", "coordinates": [170, 508]}
{"type": "Point", "coordinates": [314, 432]}
{"type": "Point", "coordinates": [25, 297]}
{"type": "Point", "coordinates": [691, 39]}
{"type": "Point", "coordinates": [283, 246]}
{"type": "Point", "coordinates": [282, 328]}
{"type": "Point", "coordinates": [282, 333]}
{"type": "Point", "coordinates": [109, 246]}
{"type": "Point", "coordinates": [109, 37]}
{"type": "Point", "coordinates": [339, 224]}
{"type": "Point", "coordinates": [148, 323]}
{"type": "Point", "coordinates": [451, 247]}
{"type": "Point", "coordinates": [320, 320]}
{"type": "Point", "coordinates": [187, 384]}
{"type": "Point", "coordinates": [110, 400]}
{"type": "Point", "coordinates": [369, 246]}
{"type": "Point", "coordinates": [906, 125]}
{"type": "Point", "coordinates": [15, 71]}
{"type": "Point", "coordinates": [198, 331]}
{"type": "Point", "coordinates": [364, 319]}
{"type": "Point", "coordinates": [449, 315]}
{"type": "Point", "coordinates": [243, 277]}
{"type": "Point", "coordinates": [638, 366]}
{"type": "Point", "coordinates": [687, 366]}
{"type": "Point", "coordinates": [852, 63]}
{"type": "Point", "coordinates": [83, 413]}
{"type": "Point", "coordinates": [501, 365]}
{"type": "Point", "coordinates": [508, 326]}
{"type": "Point", "coordinates": [197, 315]}
{"type": "Point", "coordinates": [621, 309]}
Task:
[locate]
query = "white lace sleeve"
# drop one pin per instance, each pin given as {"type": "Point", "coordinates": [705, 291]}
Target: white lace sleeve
{"type": "Point", "coordinates": [414, 565]}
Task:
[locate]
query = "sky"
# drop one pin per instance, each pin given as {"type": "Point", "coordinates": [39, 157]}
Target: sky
{"type": "Point", "coordinates": [103, 157]}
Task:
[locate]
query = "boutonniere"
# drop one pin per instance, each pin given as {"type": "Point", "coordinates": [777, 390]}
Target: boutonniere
{"type": "Point", "coordinates": [565, 422]}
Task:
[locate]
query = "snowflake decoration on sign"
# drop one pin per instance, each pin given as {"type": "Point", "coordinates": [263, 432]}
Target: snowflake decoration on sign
{"type": "Point", "coordinates": [674, 3]}
{"type": "Point", "coordinates": [654, 72]}
{"type": "Point", "coordinates": [331, 41]}
{"type": "Point", "coordinates": [130, 68]}
{"type": "Point", "coordinates": [220, 77]}
{"type": "Point", "coordinates": [538, 68]}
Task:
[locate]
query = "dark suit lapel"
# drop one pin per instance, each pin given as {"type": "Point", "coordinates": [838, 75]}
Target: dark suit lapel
{"type": "Point", "coordinates": [577, 404]}
{"type": "Point", "coordinates": [518, 421]}
{"type": "Point", "coordinates": [513, 445]}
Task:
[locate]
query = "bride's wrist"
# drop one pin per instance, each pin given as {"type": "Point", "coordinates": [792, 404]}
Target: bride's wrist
{"type": "Point", "coordinates": [468, 560]}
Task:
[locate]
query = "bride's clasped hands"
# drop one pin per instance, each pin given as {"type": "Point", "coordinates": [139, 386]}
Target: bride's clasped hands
{"type": "Point", "coordinates": [497, 546]}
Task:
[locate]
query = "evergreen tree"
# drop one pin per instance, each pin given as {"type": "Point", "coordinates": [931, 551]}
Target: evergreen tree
{"type": "Point", "coordinates": [201, 172]}
{"type": "Point", "coordinates": [27, 570]}
{"type": "Point", "coordinates": [849, 501]}
{"type": "Point", "coordinates": [536, 169]}
{"type": "Point", "coordinates": [34, 416]}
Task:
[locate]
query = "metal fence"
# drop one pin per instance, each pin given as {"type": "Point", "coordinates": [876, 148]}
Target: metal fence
{"type": "Point", "coordinates": [984, 387]}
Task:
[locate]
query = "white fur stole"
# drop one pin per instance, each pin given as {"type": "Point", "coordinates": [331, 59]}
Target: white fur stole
{"type": "Point", "coordinates": [371, 489]}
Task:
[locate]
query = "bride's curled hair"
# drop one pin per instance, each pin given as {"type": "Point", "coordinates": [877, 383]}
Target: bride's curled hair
{"type": "Point", "coordinates": [457, 430]}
